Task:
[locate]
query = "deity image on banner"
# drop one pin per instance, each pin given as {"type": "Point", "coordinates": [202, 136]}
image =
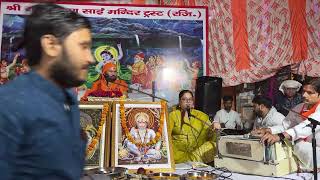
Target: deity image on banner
{"type": "Point", "coordinates": [150, 54]}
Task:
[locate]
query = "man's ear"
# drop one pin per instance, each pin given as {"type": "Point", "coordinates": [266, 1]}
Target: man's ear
{"type": "Point", "coordinates": [50, 45]}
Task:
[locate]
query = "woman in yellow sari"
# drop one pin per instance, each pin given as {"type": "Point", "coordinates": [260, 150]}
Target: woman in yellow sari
{"type": "Point", "coordinates": [190, 130]}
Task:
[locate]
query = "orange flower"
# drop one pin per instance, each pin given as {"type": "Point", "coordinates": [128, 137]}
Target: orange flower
{"type": "Point", "coordinates": [100, 128]}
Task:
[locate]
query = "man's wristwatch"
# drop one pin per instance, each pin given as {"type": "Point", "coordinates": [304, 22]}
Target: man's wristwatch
{"type": "Point", "coordinates": [281, 136]}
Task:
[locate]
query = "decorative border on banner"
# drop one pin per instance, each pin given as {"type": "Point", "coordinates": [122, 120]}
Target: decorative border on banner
{"type": "Point", "coordinates": [130, 11]}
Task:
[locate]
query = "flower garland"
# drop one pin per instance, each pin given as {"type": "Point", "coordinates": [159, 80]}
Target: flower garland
{"type": "Point", "coordinates": [129, 136]}
{"type": "Point", "coordinates": [96, 139]}
{"type": "Point", "coordinates": [101, 93]}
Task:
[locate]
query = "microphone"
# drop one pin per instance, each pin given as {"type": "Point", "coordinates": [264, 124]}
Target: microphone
{"type": "Point", "coordinates": [210, 128]}
{"type": "Point", "coordinates": [188, 110]}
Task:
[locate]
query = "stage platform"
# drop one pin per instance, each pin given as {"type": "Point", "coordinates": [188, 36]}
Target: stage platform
{"type": "Point", "coordinates": [237, 176]}
{"type": "Point", "coordinates": [221, 173]}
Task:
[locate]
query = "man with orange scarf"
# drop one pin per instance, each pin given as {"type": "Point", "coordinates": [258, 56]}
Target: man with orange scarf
{"type": "Point", "coordinates": [108, 85]}
{"type": "Point", "coordinates": [300, 132]}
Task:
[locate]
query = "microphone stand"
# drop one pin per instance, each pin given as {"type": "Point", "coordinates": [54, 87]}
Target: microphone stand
{"type": "Point", "coordinates": [314, 146]}
{"type": "Point", "coordinates": [138, 90]}
{"type": "Point", "coordinates": [313, 124]}
{"type": "Point", "coordinates": [209, 125]}
{"type": "Point", "coordinates": [153, 90]}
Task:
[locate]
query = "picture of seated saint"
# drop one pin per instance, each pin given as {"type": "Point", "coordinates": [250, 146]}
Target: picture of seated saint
{"type": "Point", "coordinates": [142, 134]}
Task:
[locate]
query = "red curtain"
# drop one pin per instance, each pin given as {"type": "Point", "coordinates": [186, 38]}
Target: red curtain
{"type": "Point", "coordinates": [252, 45]}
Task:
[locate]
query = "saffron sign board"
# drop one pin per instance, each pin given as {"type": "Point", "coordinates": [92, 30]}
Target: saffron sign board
{"type": "Point", "coordinates": [140, 137]}
{"type": "Point", "coordinates": [171, 43]}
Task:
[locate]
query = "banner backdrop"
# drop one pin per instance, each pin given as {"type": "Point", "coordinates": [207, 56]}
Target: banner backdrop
{"type": "Point", "coordinates": [171, 40]}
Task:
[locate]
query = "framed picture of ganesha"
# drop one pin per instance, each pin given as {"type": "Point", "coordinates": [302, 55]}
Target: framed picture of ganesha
{"type": "Point", "coordinates": [94, 118]}
{"type": "Point", "coordinates": [140, 137]}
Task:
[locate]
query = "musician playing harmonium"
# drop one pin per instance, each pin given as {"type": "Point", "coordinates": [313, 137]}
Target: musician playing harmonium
{"type": "Point", "coordinates": [268, 119]}
{"type": "Point", "coordinates": [300, 132]}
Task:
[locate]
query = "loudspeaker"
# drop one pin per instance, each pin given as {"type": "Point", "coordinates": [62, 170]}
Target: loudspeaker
{"type": "Point", "coordinates": [208, 95]}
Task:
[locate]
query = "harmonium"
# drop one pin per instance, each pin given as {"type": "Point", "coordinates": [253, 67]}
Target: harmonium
{"type": "Point", "coordinates": [240, 153]}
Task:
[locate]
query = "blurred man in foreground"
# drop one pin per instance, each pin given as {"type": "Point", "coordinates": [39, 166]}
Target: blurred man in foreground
{"type": "Point", "coordinates": [39, 118]}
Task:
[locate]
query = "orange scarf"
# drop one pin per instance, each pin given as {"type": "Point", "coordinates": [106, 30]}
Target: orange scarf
{"type": "Point", "coordinates": [310, 111]}
{"type": "Point", "coordinates": [306, 114]}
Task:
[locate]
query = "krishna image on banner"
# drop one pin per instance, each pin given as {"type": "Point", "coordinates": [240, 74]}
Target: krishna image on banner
{"type": "Point", "coordinates": [140, 137]}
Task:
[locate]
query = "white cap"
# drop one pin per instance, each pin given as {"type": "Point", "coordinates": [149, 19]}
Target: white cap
{"type": "Point", "coordinates": [290, 84]}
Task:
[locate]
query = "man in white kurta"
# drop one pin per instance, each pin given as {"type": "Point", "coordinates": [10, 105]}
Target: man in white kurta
{"type": "Point", "coordinates": [267, 115]}
{"type": "Point", "coordinates": [292, 119]}
{"type": "Point", "coordinates": [227, 117]}
{"type": "Point", "coordinates": [301, 133]}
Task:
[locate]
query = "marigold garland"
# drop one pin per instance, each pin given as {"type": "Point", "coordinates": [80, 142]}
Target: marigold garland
{"type": "Point", "coordinates": [126, 130]}
{"type": "Point", "coordinates": [96, 139]}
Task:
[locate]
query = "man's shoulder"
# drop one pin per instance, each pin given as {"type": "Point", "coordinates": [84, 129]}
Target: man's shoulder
{"type": "Point", "coordinates": [220, 111]}
{"type": "Point", "coordinates": [14, 97]}
{"type": "Point", "coordinates": [277, 114]}
{"type": "Point", "coordinates": [14, 88]}
{"type": "Point", "coordinates": [19, 94]}
{"type": "Point", "coordinates": [234, 112]}
{"type": "Point", "coordinates": [298, 107]}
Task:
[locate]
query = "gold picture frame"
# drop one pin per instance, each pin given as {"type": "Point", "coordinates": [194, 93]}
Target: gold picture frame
{"type": "Point", "coordinates": [96, 122]}
{"type": "Point", "coordinates": [140, 137]}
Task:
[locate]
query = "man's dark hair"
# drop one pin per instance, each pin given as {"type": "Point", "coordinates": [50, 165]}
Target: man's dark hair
{"type": "Point", "coordinates": [183, 92]}
{"type": "Point", "coordinates": [315, 83]}
{"type": "Point", "coordinates": [262, 100]}
{"type": "Point", "coordinates": [48, 18]}
{"type": "Point", "coordinates": [227, 98]}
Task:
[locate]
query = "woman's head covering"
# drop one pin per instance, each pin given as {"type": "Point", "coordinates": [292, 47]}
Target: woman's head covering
{"type": "Point", "coordinates": [290, 84]}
